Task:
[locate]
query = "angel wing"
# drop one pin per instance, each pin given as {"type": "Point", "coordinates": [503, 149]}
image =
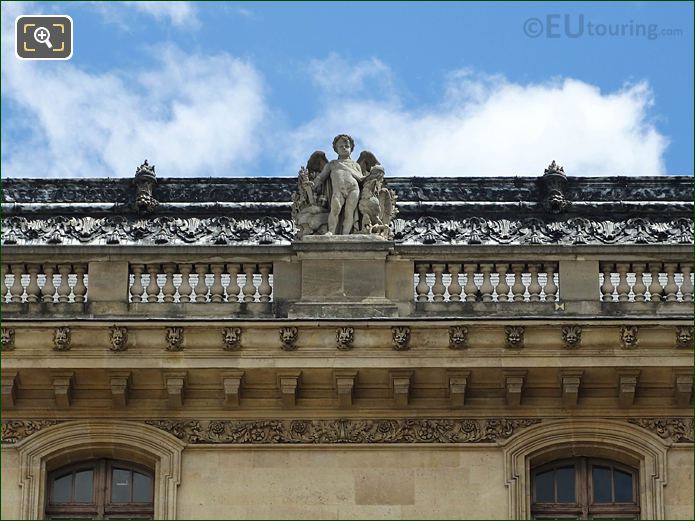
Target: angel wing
{"type": "Point", "coordinates": [366, 161]}
{"type": "Point", "coordinates": [316, 162]}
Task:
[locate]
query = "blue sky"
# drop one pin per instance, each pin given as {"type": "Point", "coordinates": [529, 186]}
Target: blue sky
{"type": "Point", "coordinates": [251, 89]}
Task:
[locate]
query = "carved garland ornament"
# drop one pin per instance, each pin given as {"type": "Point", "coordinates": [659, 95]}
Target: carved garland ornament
{"type": "Point", "coordinates": [420, 430]}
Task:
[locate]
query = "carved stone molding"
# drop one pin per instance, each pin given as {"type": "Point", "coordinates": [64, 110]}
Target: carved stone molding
{"type": "Point", "coordinates": [14, 431]}
{"type": "Point", "coordinates": [677, 430]}
{"type": "Point", "coordinates": [365, 431]}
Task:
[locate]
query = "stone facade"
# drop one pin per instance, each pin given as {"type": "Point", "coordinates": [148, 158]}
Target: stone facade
{"type": "Point", "coordinates": [422, 370]}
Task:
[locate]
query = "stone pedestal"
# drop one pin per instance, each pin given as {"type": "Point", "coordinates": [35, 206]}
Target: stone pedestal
{"type": "Point", "coordinates": [343, 276]}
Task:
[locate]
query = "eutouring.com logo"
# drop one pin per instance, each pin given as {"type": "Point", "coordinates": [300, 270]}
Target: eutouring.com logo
{"type": "Point", "coordinates": [578, 26]}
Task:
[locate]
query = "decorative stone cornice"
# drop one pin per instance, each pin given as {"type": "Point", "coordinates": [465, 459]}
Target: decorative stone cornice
{"type": "Point", "coordinates": [361, 431]}
{"type": "Point", "coordinates": [677, 430]}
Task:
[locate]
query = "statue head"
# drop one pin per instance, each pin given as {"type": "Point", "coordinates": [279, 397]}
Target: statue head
{"type": "Point", "coordinates": [343, 137]}
{"type": "Point", "coordinates": [231, 336]}
{"type": "Point", "coordinates": [628, 336]}
{"type": "Point", "coordinates": [288, 337]}
{"type": "Point", "coordinates": [684, 336]}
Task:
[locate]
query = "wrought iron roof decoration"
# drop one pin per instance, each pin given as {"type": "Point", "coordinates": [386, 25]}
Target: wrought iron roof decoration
{"type": "Point", "coordinates": [550, 209]}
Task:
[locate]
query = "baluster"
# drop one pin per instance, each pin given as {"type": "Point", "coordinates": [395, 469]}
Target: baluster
{"type": "Point", "coordinates": [201, 288]}
{"type": "Point", "coordinates": [49, 289]}
{"type": "Point", "coordinates": [438, 287]}
{"type": "Point", "coordinates": [5, 289]}
{"type": "Point", "coordinates": [655, 286]}
{"type": "Point", "coordinates": [607, 287]}
{"type": "Point", "coordinates": [185, 288]}
{"type": "Point", "coordinates": [33, 290]}
{"type": "Point", "coordinates": [639, 288]}
{"type": "Point", "coordinates": [249, 289]}
{"type": "Point", "coordinates": [169, 290]}
{"type": "Point", "coordinates": [64, 286]}
{"type": "Point", "coordinates": [486, 287]}
{"type": "Point", "coordinates": [550, 286]}
{"type": "Point", "coordinates": [153, 286]}
{"type": "Point", "coordinates": [470, 288]}
{"type": "Point", "coordinates": [455, 286]}
{"type": "Point", "coordinates": [518, 288]}
{"type": "Point", "coordinates": [502, 286]}
{"type": "Point", "coordinates": [217, 290]}
{"type": "Point", "coordinates": [17, 290]}
{"type": "Point", "coordinates": [670, 289]}
{"type": "Point", "coordinates": [623, 287]}
{"type": "Point", "coordinates": [534, 288]}
{"type": "Point", "coordinates": [136, 290]}
{"type": "Point", "coordinates": [233, 289]}
{"type": "Point", "coordinates": [265, 288]}
{"type": "Point", "coordinates": [80, 288]}
{"type": "Point", "coordinates": [422, 288]}
{"type": "Point", "coordinates": [687, 285]}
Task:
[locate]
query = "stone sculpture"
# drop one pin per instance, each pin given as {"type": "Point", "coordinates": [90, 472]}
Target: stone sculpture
{"type": "Point", "coordinates": [7, 339]}
{"type": "Point", "coordinates": [514, 336]}
{"type": "Point", "coordinates": [343, 196]}
{"type": "Point", "coordinates": [174, 338]}
{"type": "Point", "coordinates": [684, 336]}
{"type": "Point", "coordinates": [61, 339]}
{"type": "Point", "coordinates": [145, 179]}
{"type": "Point", "coordinates": [344, 337]}
{"type": "Point", "coordinates": [628, 337]}
{"type": "Point", "coordinates": [571, 336]}
{"type": "Point", "coordinates": [119, 338]}
{"type": "Point", "coordinates": [231, 337]}
{"type": "Point", "coordinates": [458, 337]}
{"type": "Point", "coordinates": [288, 338]}
{"type": "Point", "coordinates": [400, 338]}
{"type": "Point", "coordinates": [554, 181]}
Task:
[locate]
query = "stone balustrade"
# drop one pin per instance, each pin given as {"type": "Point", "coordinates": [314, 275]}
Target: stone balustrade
{"type": "Point", "coordinates": [646, 281]}
{"type": "Point", "coordinates": [47, 283]}
{"type": "Point", "coordinates": [200, 282]}
{"type": "Point", "coordinates": [486, 282]}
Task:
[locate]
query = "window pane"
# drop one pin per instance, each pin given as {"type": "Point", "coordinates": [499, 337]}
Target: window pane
{"type": "Point", "coordinates": [602, 484]}
{"type": "Point", "coordinates": [62, 489]}
{"type": "Point", "coordinates": [565, 485]}
{"type": "Point", "coordinates": [84, 486]}
{"type": "Point", "coordinates": [120, 486]}
{"type": "Point", "coordinates": [142, 488]}
{"type": "Point", "coordinates": [544, 487]}
{"type": "Point", "coordinates": [623, 486]}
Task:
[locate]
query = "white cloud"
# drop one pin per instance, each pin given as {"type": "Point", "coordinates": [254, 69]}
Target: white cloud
{"type": "Point", "coordinates": [180, 14]}
{"type": "Point", "coordinates": [190, 115]}
{"type": "Point", "coordinates": [487, 125]}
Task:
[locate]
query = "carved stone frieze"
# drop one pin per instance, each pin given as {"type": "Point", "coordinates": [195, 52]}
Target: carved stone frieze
{"type": "Point", "coordinates": [677, 430]}
{"type": "Point", "coordinates": [14, 431]}
{"type": "Point", "coordinates": [133, 230]}
{"type": "Point", "coordinates": [344, 430]}
{"type": "Point", "coordinates": [7, 339]}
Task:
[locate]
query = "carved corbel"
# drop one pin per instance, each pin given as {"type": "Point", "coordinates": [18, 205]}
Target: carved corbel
{"type": "Point", "coordinates": [120, 388]}
{"type": "Point", "coordinates": [400, 384]}
{"type": "Point", "coordinates": [627, 387]}
{"type": "Point", "coordinates": [570, 382]}
{"type": "Point", "coordinates": [289, 383]}
{"type": "Point", "coordinates": [63, 384]}
{"type": "Point", "coordinates": [458, 382]}
{"type": "Point", "coordinates": [344, 386]}
{"type": "Point", "coordinates": [10, 385]}
{"type": "Point", "coordinates": [231, 381]}
{"type": "Point", "coordinates": [175, 383]}
{"type": "Point", "coordinates": [683, 388]}
{"type": "Point", "coordinates": [514, 386]}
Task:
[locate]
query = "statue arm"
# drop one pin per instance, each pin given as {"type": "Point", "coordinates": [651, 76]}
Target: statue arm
{"type": "Point", "coordinates": [319, 179]}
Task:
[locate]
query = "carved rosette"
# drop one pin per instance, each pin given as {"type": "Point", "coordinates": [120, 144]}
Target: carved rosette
{"type": "Point", "coordinates": [288, 338]}
{"type": "Point", "coordinates": [61, 339]}
{"type": "Point", "coordinates": [400, 336]}
{"type": "Point", "coordinates": [344, 337]}
{"type": "Point", "coordinates": [359, 431]}
{"type": "Point", "coordinates": [458, 337]}
{"type": "Point", "coordinates": [7, 339]}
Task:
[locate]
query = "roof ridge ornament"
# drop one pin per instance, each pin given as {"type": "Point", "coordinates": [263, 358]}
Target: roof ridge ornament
{"type": "Point", "coordinates": [554, 182]}
{"type": "Point", "coordinates": [145, 179]}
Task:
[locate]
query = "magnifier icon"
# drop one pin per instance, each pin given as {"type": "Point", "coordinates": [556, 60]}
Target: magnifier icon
{"type": "Point", "coordinates": [43, 35]}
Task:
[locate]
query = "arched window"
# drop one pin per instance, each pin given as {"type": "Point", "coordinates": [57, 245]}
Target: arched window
{"type": "Point", "coordinates": [584, 488]}
{"type": "Point", "coordinates": [100, 489]}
